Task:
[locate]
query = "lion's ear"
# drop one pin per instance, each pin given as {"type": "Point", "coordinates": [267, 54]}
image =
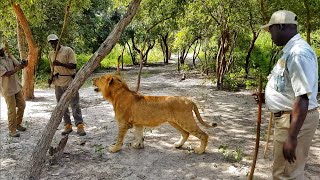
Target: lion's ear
{"type": "Point", "coordinates": [111, 81]}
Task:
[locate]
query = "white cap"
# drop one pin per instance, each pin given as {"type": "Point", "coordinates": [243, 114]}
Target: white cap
{"type": "Point", "coordinates": [281, 17]}
{"type": "Point", "coordinates": [52, 37]}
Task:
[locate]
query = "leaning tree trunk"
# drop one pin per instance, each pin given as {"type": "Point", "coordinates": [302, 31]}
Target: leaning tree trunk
{"type": "Point", "coordinates": [29, 71]}
{"type": "Point", "coordinates": [39, 153]}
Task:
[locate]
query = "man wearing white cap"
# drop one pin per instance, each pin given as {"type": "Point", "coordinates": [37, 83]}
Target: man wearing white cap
{"type": "Point", "coordinates": [291, 95]}
{"type": "Point", "coordinates": [64, 70]}
{"type": "Point", "coordinates": [11, 90]}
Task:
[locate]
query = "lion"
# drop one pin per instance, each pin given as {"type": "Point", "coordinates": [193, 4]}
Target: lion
{"type": "Point", "coordinates": [138, 111]}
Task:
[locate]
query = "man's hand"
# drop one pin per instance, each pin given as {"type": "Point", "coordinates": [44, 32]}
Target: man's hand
{"type": "Point", "coordinates": [24, 63]}
{"type": "Point", "coordinates": [49, 81]}
{"type": "Point", "coordinates": [289, 149]}
{"type": "Point", "coordinates": [57, 63]}
{"type": "Point", "coordinates": [256, 97]}
{"type": "Point", "coordinates": [19, 67]}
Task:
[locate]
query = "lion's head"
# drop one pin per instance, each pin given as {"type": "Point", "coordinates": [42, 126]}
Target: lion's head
{"type": "Point", "coordinates": [108, 85]}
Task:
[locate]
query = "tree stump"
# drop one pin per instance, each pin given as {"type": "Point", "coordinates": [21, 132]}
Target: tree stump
{"type": "Point", "coordinates": [56, 152]}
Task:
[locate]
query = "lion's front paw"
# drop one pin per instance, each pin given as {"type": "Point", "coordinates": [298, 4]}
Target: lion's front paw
{"type": "Point", "coordinates": [178, 145]}
{"type": "Point", "coordinates": [137, 145]}
{"type": "Point", "coordinates": [199, 150]}
{"type": "Point", "coordinates": [114, 148]}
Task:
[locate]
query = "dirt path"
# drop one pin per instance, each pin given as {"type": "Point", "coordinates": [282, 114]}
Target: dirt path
{"type": "Point", "coordinates": [235, 114]}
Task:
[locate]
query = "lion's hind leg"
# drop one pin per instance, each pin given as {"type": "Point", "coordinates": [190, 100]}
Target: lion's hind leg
{"type": "Point", "coordinates": [194, 129]}
{"type": "Point", "coordinates": [184, 135]}
{"type": "Point", "coordinates": [204, 141]}
{"type": "Point", "coordinates": [138, 134]}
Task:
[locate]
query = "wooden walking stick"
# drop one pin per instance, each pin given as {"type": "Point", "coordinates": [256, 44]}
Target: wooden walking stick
{"type": "Point", "coordinates": [268, 135]}
{"type": "Point", "coordinates": [258, 129]}
{"type": "Point", "coordinates": [59, 40]}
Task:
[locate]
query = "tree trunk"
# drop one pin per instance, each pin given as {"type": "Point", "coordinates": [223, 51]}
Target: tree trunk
{"type": "Point", "coordinates": [133, 58]}
{"type": "Point", "coordinates": [29, 71]}
{"type": "Point", "coordinates": [39, 153]}
{"type": "Point", "coordinates": [218, 59]}
{"type": "Point", "coordinates": [145, 56]}
{"type": "Point", "coordinates": [165, 48]}
{"type": "Point", "coordinates": [308, 24]}
{"type": "Point", "coordinates": [225, 44]}
{"type": "Point", "coordinates": [162, 49]}
{"type": "Point", "coordinates": [178, 61]}
{"type": "Point", "coordinates": [264, 11]}
{"type": "Point", "coordinates": [22, 44]}
{"type": "Point", "coordinates": [196, 52]}
{"type": "Point", "coordinates": [139, 73]}
{"type": "Point", "coordinates": [246, 67]}
{"type": "Point", "coordinates": [124, 47]}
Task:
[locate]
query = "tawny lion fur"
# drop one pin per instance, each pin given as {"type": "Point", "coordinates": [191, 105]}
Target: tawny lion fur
{"type": "Point", "coordinates": [139, 111]}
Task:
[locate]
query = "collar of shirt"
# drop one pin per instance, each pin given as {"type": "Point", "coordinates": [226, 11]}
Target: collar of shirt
{"type": "Point", "coordinates": [290, 43]}
{"type": "Point", "coordinates": [53, 51]}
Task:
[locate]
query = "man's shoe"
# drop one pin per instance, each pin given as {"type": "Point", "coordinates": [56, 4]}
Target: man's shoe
{"type": "Point", "coordinates": [21, 128]}
{"type": "Point", "coordinates": [14, 134]}
{"type": "Point", "coordinates": [67, 129]}
{"type": "Point", "coordinates": [80, 130]}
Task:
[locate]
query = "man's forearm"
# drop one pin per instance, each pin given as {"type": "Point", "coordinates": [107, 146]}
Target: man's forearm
{"type": "Point", "coordinates": [70, 66]}
{"type": "Point", "coordinates": [16, 69]}
{"type": "Point", "coordinates": [299, 113]}
{"type": "Point", "coordinates": [67, 65]}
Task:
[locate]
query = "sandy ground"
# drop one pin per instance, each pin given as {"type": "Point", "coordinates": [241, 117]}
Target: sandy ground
{"type": "Point", "coordinates": [228, 155]}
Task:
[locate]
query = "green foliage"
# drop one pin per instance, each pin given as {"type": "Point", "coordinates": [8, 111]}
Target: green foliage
{"type": "Point", "coordinates": [98, 148]}
{"type": "Point", "coordinates": [231, 155]}
{"type": "Point", "coordinates": [232, 82]}
{"type": "Point", "coordinates": [155, 55]}
{"type": "Point", "coordinates": [112, 59]}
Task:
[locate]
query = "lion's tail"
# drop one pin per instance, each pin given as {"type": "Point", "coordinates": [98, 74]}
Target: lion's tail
{"type": "Point", "coordinates": [196, 111]}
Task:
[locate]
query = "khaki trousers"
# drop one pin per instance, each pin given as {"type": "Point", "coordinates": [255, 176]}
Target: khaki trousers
{"type": "Point", "coordinates": [16, 105]}
{"type": "Point", "coordinates": [282, 169]}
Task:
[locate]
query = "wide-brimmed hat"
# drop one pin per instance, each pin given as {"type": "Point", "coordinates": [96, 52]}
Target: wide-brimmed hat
{"type": "Point", "coordinates": [281, 17]}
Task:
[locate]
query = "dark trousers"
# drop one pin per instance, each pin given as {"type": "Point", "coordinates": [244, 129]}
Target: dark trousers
{"type": "Point", "coordinates": [76, 111]}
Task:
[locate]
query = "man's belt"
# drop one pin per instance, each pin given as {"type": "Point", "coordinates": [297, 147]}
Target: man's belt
{"type": "Point", "coordinates": [280, 113]}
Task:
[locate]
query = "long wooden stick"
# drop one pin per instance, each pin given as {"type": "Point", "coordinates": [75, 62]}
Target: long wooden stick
{"type": "Point", "coordinates": [59, 40]}
{"type": "Point", "coordinates": [268, 135]}
{"type": "Point", "coordinates": [258, 129]}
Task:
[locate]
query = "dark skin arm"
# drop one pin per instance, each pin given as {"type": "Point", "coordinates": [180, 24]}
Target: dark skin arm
{"type": "Point", "coordinates": [299, 113]}
{"type": "Point", "coordinates": [67, 65]}
{"type": "Point", "coordinates": [58, 63]}
{"type": "Point", "coordinates": [16, 69]}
